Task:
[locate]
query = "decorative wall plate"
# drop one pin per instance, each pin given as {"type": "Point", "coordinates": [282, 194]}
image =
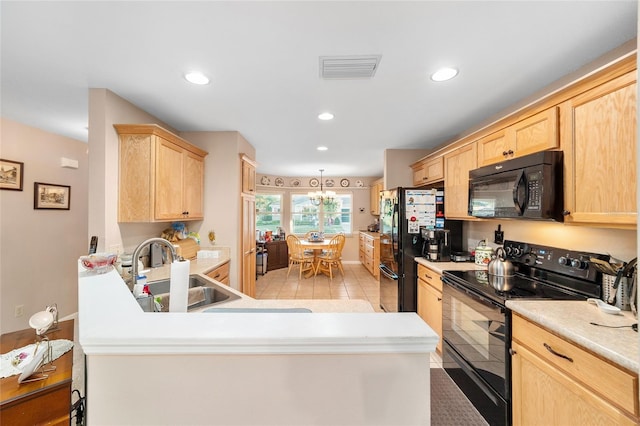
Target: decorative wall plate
{"type": "Point", "coordinates": [265, 180]}
{"type": "Point", "coordinates": [279, 182]}
{"type": "Point", "coordinates": [344, 183]}
{"type": "Point", "coordinates": [313, 182]}
{"type": "Point", "coordinates": [329, 182]}
{"type": "Point", "coordinates": [359, 184]}
{"type": "Point", "coordinates": [295, 182]}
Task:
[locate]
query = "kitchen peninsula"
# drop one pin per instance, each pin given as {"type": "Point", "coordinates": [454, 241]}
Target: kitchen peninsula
{"type": "Point", "coordinates": [203, 368]}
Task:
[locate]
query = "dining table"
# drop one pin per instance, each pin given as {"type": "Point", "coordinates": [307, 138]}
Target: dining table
{"type": "Point", "coordinates": [317, 246]}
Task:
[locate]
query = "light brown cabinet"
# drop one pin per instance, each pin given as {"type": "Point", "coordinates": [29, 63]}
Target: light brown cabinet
{"type": "Point", "coordinates": [430, 300]}
{"type": "Point", "coordinates": [248, 245]}
{"type": "Point", "coordinates": [533, 134]}
{"type": "Point", "coordinates": [248, 175]}
{"type": "Point", "coordinates": [161, 176]}
{"type": "Point", "coordinates": [374, 196]}
{"type": "Point", "coordinates": [599, 140]}
{"type": "Point", "coordinates": [457, 165]}
{"type": "Point", "coordinates": [369, 252]}
{"type": "Point", "coordinates": [556, 382]}
{"type": "Point", "coordinates": [428, 170]}
{"type": "Point", "coordinates": [220, 273]}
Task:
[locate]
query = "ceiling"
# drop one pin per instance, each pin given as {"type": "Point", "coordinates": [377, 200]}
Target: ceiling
{"type": "Point", "coordinates": [263, 61]}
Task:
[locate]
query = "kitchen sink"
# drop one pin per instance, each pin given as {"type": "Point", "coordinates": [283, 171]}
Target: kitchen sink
{"type": "Point", "coordinates": [212, 292]}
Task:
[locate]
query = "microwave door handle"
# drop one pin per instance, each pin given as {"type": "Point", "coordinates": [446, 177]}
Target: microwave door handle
{"type": "Point", "coordinates": [520, 204]}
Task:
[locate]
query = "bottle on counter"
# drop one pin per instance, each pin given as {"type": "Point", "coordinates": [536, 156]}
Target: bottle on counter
{"type": "Point", "coordinates": [138, 288]}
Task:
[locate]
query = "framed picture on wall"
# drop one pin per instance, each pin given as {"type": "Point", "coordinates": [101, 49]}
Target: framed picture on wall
{"type": "Point", "coordinates": [11, 173]}
{"type": "Point", "coordinates": [51, 196]}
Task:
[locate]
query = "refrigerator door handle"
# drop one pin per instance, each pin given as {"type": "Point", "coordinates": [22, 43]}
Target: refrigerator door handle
{"type": "Point", "coordinates": [384, 269]}
{"type": "Point", "coordinates": [395, 237]}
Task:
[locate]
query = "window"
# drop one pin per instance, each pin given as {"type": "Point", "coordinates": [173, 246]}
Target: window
{"type": "Point", "coordinates": [330, 217]}
{"type": "Point", "coordinates": [268, 212]}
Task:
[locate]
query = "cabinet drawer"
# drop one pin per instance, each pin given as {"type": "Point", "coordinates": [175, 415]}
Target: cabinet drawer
{"type": "Point", "coordinates": [430, 277]}
{"type": "Point", "coordinates": [604, 378]}
{"type": "Point", "coordinates": [220, 273]}
{"type": "Point", "coordinates": [369, 251]}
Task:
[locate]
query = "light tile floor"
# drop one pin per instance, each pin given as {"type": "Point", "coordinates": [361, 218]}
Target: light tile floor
{"type": "Point", "coordinates": [357, 283]}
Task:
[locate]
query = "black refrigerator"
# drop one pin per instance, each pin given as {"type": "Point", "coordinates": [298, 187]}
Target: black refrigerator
{"type": "Point", "coordinates": [403, 212]}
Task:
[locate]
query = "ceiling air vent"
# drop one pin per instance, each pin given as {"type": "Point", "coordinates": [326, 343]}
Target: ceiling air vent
{"type": "Point", "coordinates": [345, 67]}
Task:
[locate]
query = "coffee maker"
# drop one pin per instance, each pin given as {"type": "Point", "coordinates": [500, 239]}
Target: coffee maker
{"type": "Point", "coordinates": [437, 244]}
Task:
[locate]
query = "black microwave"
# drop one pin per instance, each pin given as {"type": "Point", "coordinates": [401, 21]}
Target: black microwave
{"type": "Point", "coordinates": [528, 187]}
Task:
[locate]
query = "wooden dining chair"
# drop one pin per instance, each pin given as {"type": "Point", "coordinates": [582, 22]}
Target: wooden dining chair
{"type": "Point", "coordinates": [297, 256]}
{"type": "Point", "coordinates": [331, 257]}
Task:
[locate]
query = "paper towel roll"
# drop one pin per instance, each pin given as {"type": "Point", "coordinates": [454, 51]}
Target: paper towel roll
{"type": "Point", "coordinates": [179, 286]}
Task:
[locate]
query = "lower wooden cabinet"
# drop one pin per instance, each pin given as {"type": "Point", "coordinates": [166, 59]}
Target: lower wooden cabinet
{"type": "Point", "coordinates": [430, 300]}
{"type": "Point", "coordinates": [369, 252]}
{"type": "Point", "coordinates": [277, 255]}
{"type": "Point", "coordinates": [556, 382]}
{"type": "Point", "coordinates": [220, 274]}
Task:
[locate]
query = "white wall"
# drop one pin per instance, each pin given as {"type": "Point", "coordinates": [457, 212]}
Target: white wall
{"type": "Point", "coordinates": [39, 248]}
{"type": "Point", "coordinates": [619, 243]}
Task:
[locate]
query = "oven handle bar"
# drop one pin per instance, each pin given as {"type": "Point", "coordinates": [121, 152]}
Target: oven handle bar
{"type": "Point", "coordinates": [476, 296]}
{"type": "Point", "coordinates": [387, 272]}
{"type": "Point", "coordinates": [471, 373]}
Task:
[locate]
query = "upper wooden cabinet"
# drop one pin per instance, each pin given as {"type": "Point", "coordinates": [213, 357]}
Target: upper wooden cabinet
{"type": "Point", "coordinates": [457, 165]}
{"type": "Point", "coordinates": [374, 196]}
{"type": "Point", "coordinates": [599, 140]}
{"type": "Point", "coordinates": [536, 133]}
{"type": "Point", "coordinates": [161, 176]}
{"type": "Point", "coordinates": [248, 175]}
{"type": "Point", "coordinates": [428, 170]}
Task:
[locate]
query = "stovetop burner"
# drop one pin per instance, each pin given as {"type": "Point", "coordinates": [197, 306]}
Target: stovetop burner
{"type": "Point", "coordinates": [542, 273]}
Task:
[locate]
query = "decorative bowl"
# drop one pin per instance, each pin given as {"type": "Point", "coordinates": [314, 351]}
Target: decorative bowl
{"type": "Point", "coordinates": [98, 262]}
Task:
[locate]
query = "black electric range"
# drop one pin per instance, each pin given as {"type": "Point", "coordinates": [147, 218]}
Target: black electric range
{"type": "Point", "coordinates": [476, 325]}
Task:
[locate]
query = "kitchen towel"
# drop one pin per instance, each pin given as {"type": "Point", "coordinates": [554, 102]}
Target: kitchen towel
{"type": "Point", "coordinates": [13, 362]}
{"type": "Point", "coordinates": [179, 286]}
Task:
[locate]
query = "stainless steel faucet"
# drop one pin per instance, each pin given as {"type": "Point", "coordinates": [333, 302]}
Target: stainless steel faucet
{"type": "Point", "coordinates": [136, 254]}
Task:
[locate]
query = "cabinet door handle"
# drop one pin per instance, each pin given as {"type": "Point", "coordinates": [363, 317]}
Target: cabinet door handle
{"type": "Point", "coordinates": [510, 152]}
{"type": "Point", "coordinates": [512, 352]}
{"type": "Point", "coordinates": [439, 299]}
{"type": "Point", "coordinates": [566, 212]}
{"type": "Point", "coordinates": [425, 177]}
{"type": "Point", "coordinates": [505, 153]}
{"type": "Point", "coordinates": [550, 349]}
{"type": "Point", "coordinates": [428, 276]}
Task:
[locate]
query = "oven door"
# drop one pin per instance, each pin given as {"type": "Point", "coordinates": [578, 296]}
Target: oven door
{"type": "Point", "coordinates": [476, 334]}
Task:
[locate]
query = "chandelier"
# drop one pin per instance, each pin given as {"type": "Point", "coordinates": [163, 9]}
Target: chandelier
{"type": "Point", "coordinates": [320, 197]}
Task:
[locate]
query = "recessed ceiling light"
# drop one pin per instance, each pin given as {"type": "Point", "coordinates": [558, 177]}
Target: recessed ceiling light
{"type": "Point", "coordinates": [322, 148]}
{"type": "Point", "coordinates": [325, 116]}
{"type": "Point", "coordinates": [196, 78]}
{"type": "Point", "coordinates": [444, 74]}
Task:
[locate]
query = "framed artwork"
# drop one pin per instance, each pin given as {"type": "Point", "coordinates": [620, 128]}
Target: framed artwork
{"type": "Point", "coordinates": [11, 174]}
{"type": "Point", "coordinates": [51, 196]}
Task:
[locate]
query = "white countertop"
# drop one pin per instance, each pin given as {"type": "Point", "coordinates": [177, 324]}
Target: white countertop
{"type": "Point", "coordinates": [112, 322]}
{"type": "Point", "coordinates": [571, 320]}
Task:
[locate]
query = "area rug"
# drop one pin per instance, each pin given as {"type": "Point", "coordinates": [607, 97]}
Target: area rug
{"type": "Point", "coordinates": [449, 406]}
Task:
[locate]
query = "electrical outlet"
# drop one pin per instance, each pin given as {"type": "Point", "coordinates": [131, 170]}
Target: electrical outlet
{"type": "Point", "coordinates": [19, 311]}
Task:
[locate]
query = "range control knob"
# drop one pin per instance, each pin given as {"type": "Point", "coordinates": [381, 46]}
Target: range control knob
{"type": "Point", "coordinates": [564, 261]}
{"type": "Point", "coordinates": [517, 251]}
{"type": "Point", "coordinates": [508, 250]}
{"type": "Point", "coordinates": [579, 264]}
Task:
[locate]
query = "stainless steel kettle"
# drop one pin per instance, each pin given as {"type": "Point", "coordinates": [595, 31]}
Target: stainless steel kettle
{"type": "Point", "coordinates": [499, 266]}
